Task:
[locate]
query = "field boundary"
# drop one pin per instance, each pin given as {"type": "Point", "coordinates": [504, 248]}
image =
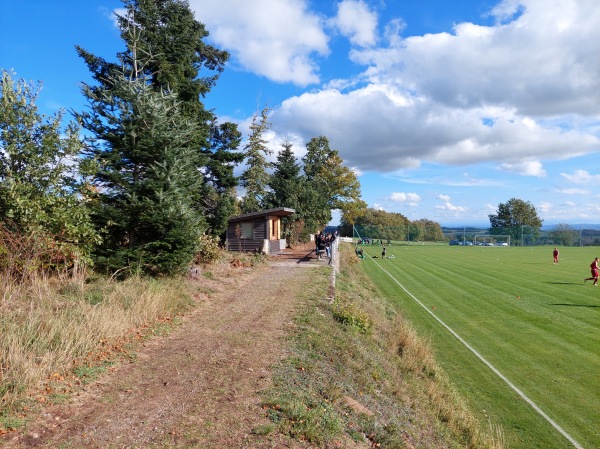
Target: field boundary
{"type": "Point", "coordinates": [486, 362]}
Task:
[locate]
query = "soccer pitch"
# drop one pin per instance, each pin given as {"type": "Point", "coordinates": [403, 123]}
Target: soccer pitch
{"type": "Point", "coordinates": [518, 335]}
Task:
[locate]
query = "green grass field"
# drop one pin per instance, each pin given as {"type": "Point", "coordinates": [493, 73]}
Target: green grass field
{"type": "Point", "coordinates": [537, 323]}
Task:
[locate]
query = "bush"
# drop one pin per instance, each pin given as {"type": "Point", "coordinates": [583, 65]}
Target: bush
{"type": "Point", "coordinates": [349, 313]}
{"type": "Point", "coordinates": [209, 249]}
{"type": "Point", "coordinates": [27, 254]}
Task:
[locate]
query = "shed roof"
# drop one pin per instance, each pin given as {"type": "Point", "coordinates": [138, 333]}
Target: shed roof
{"type": "Point", "coordinates": [277, 212]}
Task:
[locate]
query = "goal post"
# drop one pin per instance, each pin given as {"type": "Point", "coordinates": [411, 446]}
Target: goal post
{"type": "Point", "coordinates": [491, 240]}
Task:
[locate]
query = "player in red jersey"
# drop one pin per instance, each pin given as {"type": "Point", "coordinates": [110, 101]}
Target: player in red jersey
{"type": "Point", "coordinates": [555, 254]}
{"type": "Point", "coordinates": [594, 268]}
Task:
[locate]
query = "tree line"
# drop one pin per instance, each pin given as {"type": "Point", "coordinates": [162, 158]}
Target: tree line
{"type": "Point", "coordinates": [382, 225]}
{"type": "Point", "coordinates": [136, 179]}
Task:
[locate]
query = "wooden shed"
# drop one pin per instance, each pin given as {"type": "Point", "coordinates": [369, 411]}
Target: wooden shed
{"type": "Point", "coordinates": [257, 232]}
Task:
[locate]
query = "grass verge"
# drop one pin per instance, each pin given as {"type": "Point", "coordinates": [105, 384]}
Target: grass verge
{"type": "Point", "coordinates": [358, 375]}
{"type": "Point", "coordinates": [64, 331]}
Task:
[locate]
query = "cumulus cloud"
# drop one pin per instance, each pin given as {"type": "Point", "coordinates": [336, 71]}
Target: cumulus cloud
{"type": "Point", "coordinates": [357, 22]}
{"type": "Point", "coordinates": [509, 93]}
{"type": "Point", "coordinates": [531, 168]}
{"type": "Point", "coordinates": [271, 38]}
{"type": "Point", "coordinates": [381, 128]}
{"type": "Point", "coordinates": [545, 207]}
{"type": "Point", "coordinates": [448, 205]}
{"type": "Point", "coordinates": [404, 197]}
{"type": "Point", "coordinates": [541, 63]}
{"type": "Point", "coordinates": [519, 91]}
{"type": "Point", "coordinates": [451, 207]}
{"type": "Point", "coordinates": [582, 177]}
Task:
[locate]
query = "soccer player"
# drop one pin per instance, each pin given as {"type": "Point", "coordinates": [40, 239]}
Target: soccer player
{"type": "Point", "coordinates": [555, 254]}
{"type": "Point", "coordinates": [594, 268]}
{"type": "Point", "coordinates": [383, 253]}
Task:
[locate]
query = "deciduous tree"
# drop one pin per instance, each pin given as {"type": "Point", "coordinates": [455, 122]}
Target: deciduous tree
{"type": "Point", "coordinates": [513, 217]}
{"type": "Point", "coordinates": [335, 185]}
{"type": "Point", "coordinates": [564, 234]}
{"type": "Point", "coordinates": [39, 188]}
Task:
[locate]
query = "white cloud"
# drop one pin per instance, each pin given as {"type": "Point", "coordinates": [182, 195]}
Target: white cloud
{"type": "Point", "coordinates": [573, 191]}
{"type": "Point", "coordinates": [512, 93]}
{"type": "Point", "coordinates": [523, 90]}
{"type": "Point", "coordinates": [381, 128]}
{"type": "Point", "coordinates": [451, 207]}
{"type": "Point", "coordinates": [272, 38]}
{"type": "Point", "coordinates": [541, 63]}
{"type": "Point", "coordinates": [403, 197]}
{"type": "Point", "coordinates": [355, 21]}
{"type": "Point", "coordinates": [545, 207]}
{"type": "Point", "coordinates": [582, 177]}
{"type": "Point", "coordinates": [448, 206]}
{"type": "Point", "coordinates": [531, 168]}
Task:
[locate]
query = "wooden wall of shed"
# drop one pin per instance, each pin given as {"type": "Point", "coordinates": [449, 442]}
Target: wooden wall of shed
{"type": "Point", "coordinates": [260, 230]}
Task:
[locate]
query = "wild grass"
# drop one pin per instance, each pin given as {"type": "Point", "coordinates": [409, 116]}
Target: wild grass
{"type": "Point", "coordinates": [360, 376]}
{"type": "Point", "coordinates": [53, 327]}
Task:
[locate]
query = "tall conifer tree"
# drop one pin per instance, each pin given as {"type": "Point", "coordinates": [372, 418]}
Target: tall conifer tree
{"type": "Point", "coordinates": [141, 160]}
{"type": "Point", "coordinates": [165, 44]}
{"type": "Point", "coordinates": [256, 178]}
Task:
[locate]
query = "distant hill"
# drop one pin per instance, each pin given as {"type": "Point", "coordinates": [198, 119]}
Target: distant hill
{"type": "Point", "coordinates": [596, 227]}
{"type": "Point", "coordinates": [545, 227]}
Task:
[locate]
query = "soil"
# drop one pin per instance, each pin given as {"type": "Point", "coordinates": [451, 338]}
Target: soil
{"type": "Point", "coordinates": [199, 386]}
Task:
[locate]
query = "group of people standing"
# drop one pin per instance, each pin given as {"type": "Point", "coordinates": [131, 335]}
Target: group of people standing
{"type": "Point", "coordinates": [324, 242]}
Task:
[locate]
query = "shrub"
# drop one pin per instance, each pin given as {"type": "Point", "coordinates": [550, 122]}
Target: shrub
{"type": "Point", "coordinates": [35, 252]}
{"type": "Point", "coordinates": [209, 249]}
{"type": "Point", "coordinates": [347, 312]}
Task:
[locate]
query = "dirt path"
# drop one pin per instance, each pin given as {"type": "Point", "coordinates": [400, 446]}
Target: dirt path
{"type": "Point", "coordinates": [199, 386]}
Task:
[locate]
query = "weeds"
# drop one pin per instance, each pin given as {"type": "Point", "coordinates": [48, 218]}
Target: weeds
{"type": "Point", "coordinates": [360, 376]}
{"type": "Point", "coordinates": [350, 313]}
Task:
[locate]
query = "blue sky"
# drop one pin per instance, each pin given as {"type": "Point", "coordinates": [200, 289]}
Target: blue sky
{"type": "Point", "coordinates": [444, 108]}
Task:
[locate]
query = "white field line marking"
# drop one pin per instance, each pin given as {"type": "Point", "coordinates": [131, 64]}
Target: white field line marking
{"type": "Point", "coordinates": [489, 365]}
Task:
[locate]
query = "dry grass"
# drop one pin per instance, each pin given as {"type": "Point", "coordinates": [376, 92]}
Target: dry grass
{"type": "Point", "coordinates": [49, 326]}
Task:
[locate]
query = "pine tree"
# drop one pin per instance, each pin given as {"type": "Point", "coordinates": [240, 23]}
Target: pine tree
{"type": "Point", "coordinates": [165, 44]}
{"type": "Point", "coordinates": [140, 159]}
{"type": "Point", "coordinates": [256, 178]}
{"type": "Point", "coordinates": [218, 194]}
{"type": "Point", "coordinates": [285, 182]}
{"type": "Point", "coordinates": [287, 190]}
